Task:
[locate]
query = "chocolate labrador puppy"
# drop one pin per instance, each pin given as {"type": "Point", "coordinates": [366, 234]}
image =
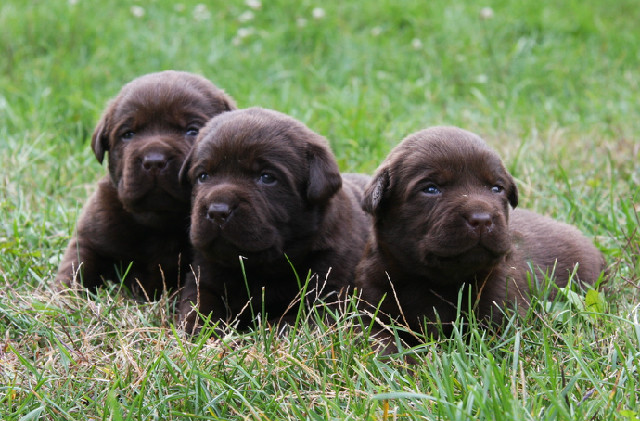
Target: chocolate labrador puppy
{"type": "Point", "coordinates": [441, 209]}
{"type": "Point", "coordinates": [136, 223]}
{"type": "Point", "coordinates": [268, 199]}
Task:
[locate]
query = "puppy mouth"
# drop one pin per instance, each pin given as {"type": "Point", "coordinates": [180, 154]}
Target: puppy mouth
{"type": "Point", "coordinates": [152, 193]}
{"type": "Point", "coordinates": [477, 253]}
{"type": "Point", "coordinates": [156, 200]}
{"type": "Point", "coordinates": [229, 238]}
{"type": "Point", "coordinates": [489, 246]}
{"type": "Point", "coordinates": [473, 253]}
{"type": "Point", "coordinates": [226, 252]}
{"type": "Point", "coordinates": [224, 242]}
{"type": "Point", "coordinates": [463, 264]}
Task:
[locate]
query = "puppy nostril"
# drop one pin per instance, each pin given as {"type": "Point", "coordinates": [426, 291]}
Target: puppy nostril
{"type": "Point", "coordinates": [219, 212]}
{"type": "Point", "coordinates": [480, 220]}
{"type": "Point", "coordinates": [154, 160]}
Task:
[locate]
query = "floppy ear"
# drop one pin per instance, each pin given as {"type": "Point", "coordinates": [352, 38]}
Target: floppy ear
{"type": "Point", "coordinates": [324, 175]}
{"type": "Point", "coordinates": [183, 175]}
{"type": "Point", "coordinates": [100, 138]}
{"type": "Point", "coordinates": [376, 190]}
{"type": "Point", "coordinates": [228, 102]}
{"type": "Point", "coordinates": [512, 192]}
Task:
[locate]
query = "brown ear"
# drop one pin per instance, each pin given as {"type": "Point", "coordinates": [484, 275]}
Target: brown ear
{"type": "Point", "coordinates": [183, 175]}
{"type": "Point", "coordinates": [228, 102]}
{"type": "Point", "coordinates": [324, 175]}
{"type": "Point", "coordinates": [100, 141]}
{"type": "Point", "coordinates": [376, 190]}
{"type": "Point", "coordinates": [100, 138]}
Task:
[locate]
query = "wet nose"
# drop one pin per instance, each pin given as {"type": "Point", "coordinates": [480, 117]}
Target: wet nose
{"type": "Point", "coordinates": [219, 212]}
{"type": "Point", "coordinates": [154, 161]}
{"type": "Point", "coordinates": [480, 221]}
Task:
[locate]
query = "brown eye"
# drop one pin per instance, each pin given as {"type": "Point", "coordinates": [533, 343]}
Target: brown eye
{"type": "Point", "coordinates": [192, 131]}
{"type": "Point", "coordinates": [128, 135]}
{"type": "Point", "coordinates": [431, 190]}
{"type": "Point", "coordinates": [267, 179]}
{"type": "Point", "coordinates": [202, 177]}
{"type": "Point", "coordinates": [497, 189]}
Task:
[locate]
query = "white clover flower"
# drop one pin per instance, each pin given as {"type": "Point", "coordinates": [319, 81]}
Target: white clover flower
{"type": "Point", "coordinates": [244, 32]}
{"type": "Point", "coordinates": [318, 13]}
{"type": "Point", "coordinates": [486, 13]}
{"type": "Point", "coordinates": [179, 7]}
{"type": "Point", "coordinates": [416, 44]}
{"type": "Point", "coordinates": [381, 75]}
{"type": "Point", "coordinates": [137, 11]}
{"type": "Point", "coordinates": [241, 35]}
{"type": "Point", "coordinates": [73, 2]}
{"type": "Point", "coordinates": [482, 78]}
{"type": "Point", "coordinates": [201, 12]}
{"type": "Point", "coordinates": [301, 22]}
{"type": "Point", "coordinates": [254, 4]}
{"type": "Point", "coordinates": [376, 30]}
{"type": "Point", "coordinates": [246, 16]}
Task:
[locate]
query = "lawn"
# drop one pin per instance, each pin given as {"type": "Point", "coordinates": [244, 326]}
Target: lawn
{"type": "Point", "coordinates": [552, 86]}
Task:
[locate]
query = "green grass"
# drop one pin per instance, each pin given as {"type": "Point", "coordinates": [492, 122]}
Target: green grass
{"type": "Point", "coordinates": [552, 86]}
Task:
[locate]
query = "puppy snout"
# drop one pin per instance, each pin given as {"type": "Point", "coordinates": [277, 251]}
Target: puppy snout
{"type": "Point", "coordinates": [219, 212]}
{"type": "Point", "coordinates": [480, 221]}
{"type": "Point", "coordinates": [154, 161]}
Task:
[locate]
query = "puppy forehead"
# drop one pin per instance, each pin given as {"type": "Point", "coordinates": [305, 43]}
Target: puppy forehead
{"type": "Point", "coordinates": [242, 150]}
{"type": "Point", "coordinates": [256, 131]}
{"type": "Point", "coordinates": [243, 142]}
{"type": "Point", "coordinates": [159, 104]}
{"type": "Point", "coordinates": [447, 152]}
{"type": "Point", "coordinates": [169, 95]}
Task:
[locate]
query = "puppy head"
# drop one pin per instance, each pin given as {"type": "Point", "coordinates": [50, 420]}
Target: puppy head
{"type": "Point", "coordinates": [148, 130]}
{"type": "Point", "coordinates": [261, 181]}
{"type": "Point", "coordinates": [440, 202]}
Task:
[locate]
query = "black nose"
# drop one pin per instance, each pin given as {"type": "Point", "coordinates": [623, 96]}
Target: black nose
{"type": "Point", "coordinates": [154, 161]}
{"type": "Point", "coordinates": [219, 212]}
{"type": "Point", "coordinates": [480, 221]}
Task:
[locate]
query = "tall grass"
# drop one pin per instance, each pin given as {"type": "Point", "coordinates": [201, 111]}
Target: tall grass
{"type": "Point", "coordinates": [551, 85]}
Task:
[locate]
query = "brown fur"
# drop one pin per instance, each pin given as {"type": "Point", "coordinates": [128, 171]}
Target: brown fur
{"type": "Point", "coordinates": [441, 208]}
{"type": "Point", "coordinates": [265, 187]}
{"type": "Point", "coordinates": [140, 212]}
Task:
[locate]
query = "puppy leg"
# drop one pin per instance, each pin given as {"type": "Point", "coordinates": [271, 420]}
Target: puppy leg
{"type": "Point", "coordinates": [79, 266]}
{"type": "Point", "coordinates": [196, 303]}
